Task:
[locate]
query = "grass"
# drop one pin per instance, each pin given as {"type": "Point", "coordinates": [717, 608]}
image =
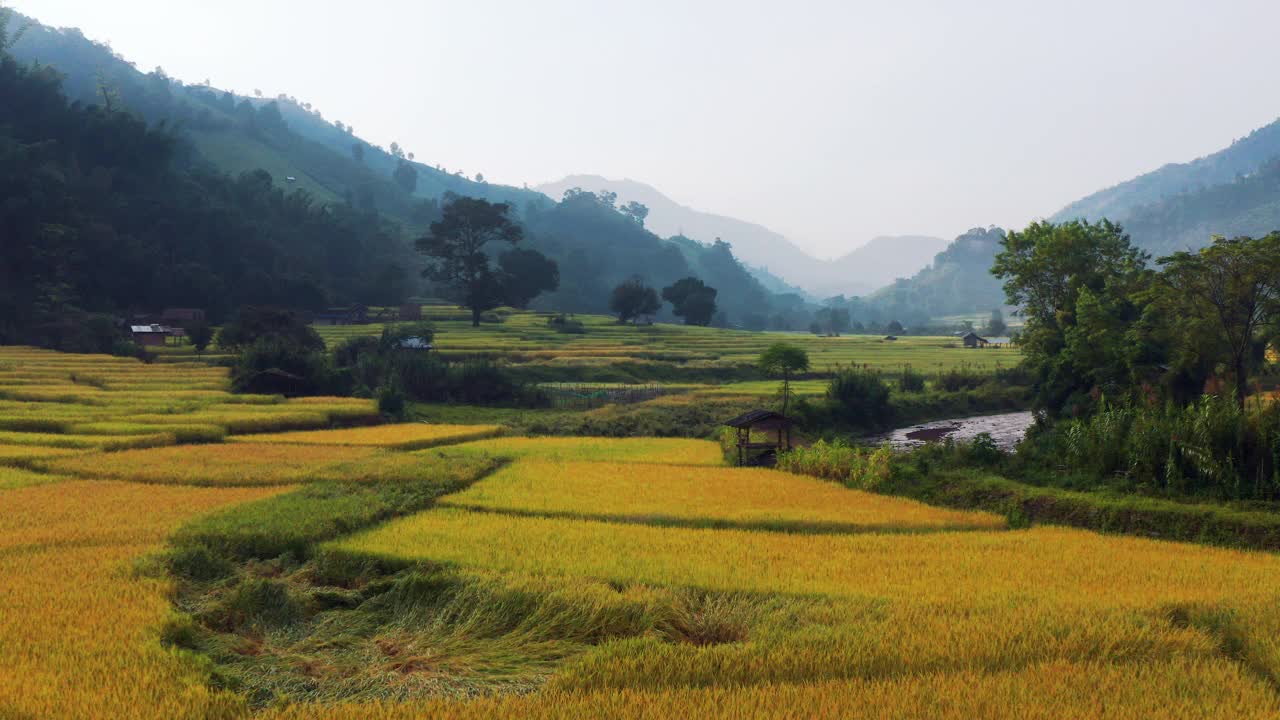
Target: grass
{"type": "Point", "coordinates": [12, 478]}
{"type": "Point", "coordinates": [668, 451]}
{"type": "Point", "coordinates": [703, 497]}
{"type": "Point", "coordinates": [245, 464]}
{"type": "Point", "coordinates": [670, 352]}
{"type": "Point", "coordinates": [293, 522]}
{"type": "Point", "coordinates": [1053, 564]}
{"type": "Point", "coordinates": [409, 436]}
{"type": "Point", "coordinates": [27, 454]}
{"type": "Point", "coordinates": [78, 626]}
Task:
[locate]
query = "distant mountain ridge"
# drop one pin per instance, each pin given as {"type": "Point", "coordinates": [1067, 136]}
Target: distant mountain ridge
{"type": "Point", "coordinates": [1118, 202]}
{"type": "Point", "coordinates": [771, 255]}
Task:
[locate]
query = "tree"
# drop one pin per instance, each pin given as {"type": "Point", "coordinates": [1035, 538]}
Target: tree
{"type": "Point", "coordinates": [527, 274]}
{"type": "Point", "coordinates": [1048, 270]}
{"type": "Point", "coordinates": [406, 176]}
{"type": "Point", "coordinates": [357, 152]}
{"type": "Point", "coordinates": [633, 299]}
{"type": "Point", "coordinates": [635, 211]}
{"type": "Point", "coordinates": [783, 359]}
{"type": "Point", "coordinates": [894, 328]}
{"type": "Point", "coordinates": [692, 300]}
{"type": "Point", "coordinates": [252, 324]}
{"type": "Point", "coordinates": [201, 334]}
{"type": "Point", "coordinates": [1233, 288]}
{"type": "Point", "coordinates": [397, 152]}
{"type": "Point", "coordinates": [456, 251]}
{"type": "Point", "coordinates": [996, 326]}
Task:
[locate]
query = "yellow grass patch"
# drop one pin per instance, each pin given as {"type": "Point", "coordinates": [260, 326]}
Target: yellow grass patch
{"type": "Point", "coordinates": [673, 451]}
{"type": "Point", "coordinates": [1042, 564]}
{"type": "Point", "coordinates": [242, 464]}
{"type": "Point", "coordinates": [1177, 689]}
{"type": "Point", "coordinates": [407, 436]}
{"type": "Point", "coordinates": [704, 496]}
{"type": "Point", "coordinates": [77, 628]}
{"type": "Point", "coordinates": [22, 454]}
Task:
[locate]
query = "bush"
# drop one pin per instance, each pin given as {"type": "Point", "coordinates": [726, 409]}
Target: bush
{"type": "Point", "coordinates": [273, 365]}
{"type": "Point", "coordinates": [856, 467]}
{"type": "Point", "coordinates": [957, 379]}
{"type": "Point", "coordinates": [910, 380]}
{"type": "Point", "coordinates": [859, 398]}
{"type": "Point", "coordinates": [391, 400]}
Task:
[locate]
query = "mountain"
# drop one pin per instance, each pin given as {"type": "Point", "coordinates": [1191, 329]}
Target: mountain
{"type": "Point", "coordinates": [958, 281]}
{"type": "Point", "coordinates": [1244, 157]}
{"type": "Point", "coordinates": [876, 264]}
{"type": "Point", "coordinates": [770, 255]}
{"type": "Point", "coordinates": [234, 134]}
{"type": "Point", "coordinates": [269, 152]}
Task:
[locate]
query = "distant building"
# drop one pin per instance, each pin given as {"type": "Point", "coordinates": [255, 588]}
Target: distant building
{"type": "Point", "coordinates": [972, 339]}
{"type": "Point", "coordinates": [152, 335]}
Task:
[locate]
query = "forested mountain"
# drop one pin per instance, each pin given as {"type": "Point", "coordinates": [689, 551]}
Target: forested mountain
{"type": "Point", "coordinates": [223, 200]}
{"type": "Point", "coordinates": [102, 212]}
{"type": "Point", "coordinates": [770, 255]}
{"type": "Point", "coordinates": [958, 281]}
{"type": "Point", "coordinates": [1118, 203]}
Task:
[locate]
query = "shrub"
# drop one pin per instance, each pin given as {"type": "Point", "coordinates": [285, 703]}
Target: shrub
{"type": "Point", "coordinates": [858, 398]}
{"type": "Point", "coordinates": [957, 379]}
{"type": "Point", "coordinates": [910, 380]}
{"type": "Point", "coordinates": [391, 400]}
{"type": "Point", "coordinates": [273, 365]}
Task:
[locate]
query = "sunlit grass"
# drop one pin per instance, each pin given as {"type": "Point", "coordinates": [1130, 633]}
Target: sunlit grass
{"type": "Point", "coordinates": [408, 436]}
{"type": "Point", "coordinates": [702, 496]}
{"type": "Point", "coordinates": [242, 464]}
{"type": "Point", "coordinates": [672, 451]}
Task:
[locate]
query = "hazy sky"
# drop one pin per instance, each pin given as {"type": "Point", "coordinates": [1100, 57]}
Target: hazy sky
{"type": "Point", "coordinates": [831, 122]}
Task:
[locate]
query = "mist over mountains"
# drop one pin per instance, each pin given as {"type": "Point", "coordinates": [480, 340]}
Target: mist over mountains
{"type": "Point", "coordinates": [769, 253]}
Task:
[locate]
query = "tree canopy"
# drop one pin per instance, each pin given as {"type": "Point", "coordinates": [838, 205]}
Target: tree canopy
{"type": "Point", "coordinates": [458, 248]}
{"type": "Point", "coordinates": [633, 299]}
{"type": "Point", "coordinates": [692, 300]}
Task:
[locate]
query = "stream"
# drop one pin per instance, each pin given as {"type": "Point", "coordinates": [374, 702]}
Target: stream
{"type": "Point", "coordinates": [1007, 429]}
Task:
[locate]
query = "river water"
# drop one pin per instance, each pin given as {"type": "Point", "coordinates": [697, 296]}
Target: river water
{"type": "Point", "coordinates": [1007, 429]}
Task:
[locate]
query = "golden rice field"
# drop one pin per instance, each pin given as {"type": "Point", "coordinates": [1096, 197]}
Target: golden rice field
{"type": "Point", "coordinates": [243, 464]}
{"type": "Point", "coordinates": [666, 451]}
{"type": "Point", "coordinates": [704, 497]}
{"type": "Point", "coordinates": [77, 624]}
{"type": "Point", "coordinates": [627, 578]}
{"type": "Point", "coordinates": [407, 436]}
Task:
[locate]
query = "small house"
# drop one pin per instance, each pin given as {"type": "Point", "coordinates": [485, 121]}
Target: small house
{"type": "Point", "coordinates": [151, 335]}
{"type": "Point", "coordinates": [972, 339]}
{"type": "Point", "coordinates": [762, 423]}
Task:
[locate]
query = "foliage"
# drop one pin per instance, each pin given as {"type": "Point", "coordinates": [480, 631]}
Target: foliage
{"type": "Point", "coordinates": [855, 467]}
{"type": "Point", "coordinates": [274, 365]}
{"type": "Point", "coordinates": [786, 360]}
{"type": "Point", "coordinates": [910, 380]}
{"type": "Point", "coordinates": [526, 274]}
{"type": "Point", "coordinates": [692, 300]}
{"type": "Point", "coordinates": [251, 324]}
{"type": "Point", "coordinates": [855, 398]}
{"type": "Point", "coordinates": [633, 299]}
{"type": "Point", "coordinates": [1228, 290]}
{"type": "Point", "coordinates": [1075, 284]}
{"type": "Point", "coordinates": [457, 250]}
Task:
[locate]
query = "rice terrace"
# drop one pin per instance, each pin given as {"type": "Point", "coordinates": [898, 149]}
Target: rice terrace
{"type": "Point", "coordinates": [299, 424]}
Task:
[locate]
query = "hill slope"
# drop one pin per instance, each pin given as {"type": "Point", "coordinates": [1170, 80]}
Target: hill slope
{"type": "Point", "coordinates": [1119, 202]}
{"type": "Point", "coordinates": [771, 255]}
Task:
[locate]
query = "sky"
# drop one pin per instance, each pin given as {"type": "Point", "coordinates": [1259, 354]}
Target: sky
{"type": "Point", "coordinates": [830, 122]}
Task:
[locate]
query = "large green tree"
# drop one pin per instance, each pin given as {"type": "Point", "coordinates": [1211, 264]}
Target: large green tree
{"type": "Point", "coordinates": [458, 248]}
{"type": "Point", "coordinates": [527, 274]}
{"type": "Point", "coordinates": [633, 299]}
{"type": "Point", "coordinates": [1075, 283]}
{"type": "Point", "coordinates": [691, 299]}
{"type": "Point", "coordinates": [1230, 290]}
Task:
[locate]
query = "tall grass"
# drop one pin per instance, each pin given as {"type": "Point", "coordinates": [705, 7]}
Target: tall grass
{"type": "Point", "coordinates": [852, 465]}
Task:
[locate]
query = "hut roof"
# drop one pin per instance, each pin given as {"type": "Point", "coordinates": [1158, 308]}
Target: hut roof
{"type": "Point", "coordinates": [757, 417]}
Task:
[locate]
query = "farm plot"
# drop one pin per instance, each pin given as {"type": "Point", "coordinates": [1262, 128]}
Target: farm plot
{"type": "Point", "coordinates": [408, 436]}
{"type": "Point", "coordinates": [667, 451]}
{"type": "Point", "coordinates": [702, 497]}
{"type": "Point", "coordinates": [245, 464]}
